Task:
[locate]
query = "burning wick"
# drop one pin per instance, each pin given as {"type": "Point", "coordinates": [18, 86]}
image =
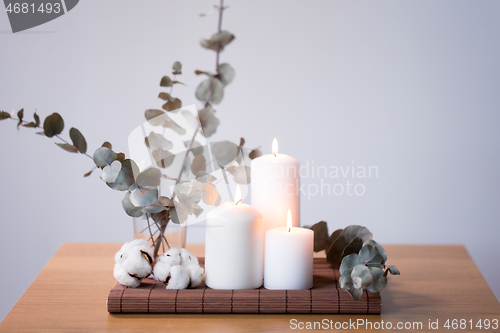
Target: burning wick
{"type": "Point", "coordinates": [275, 147]}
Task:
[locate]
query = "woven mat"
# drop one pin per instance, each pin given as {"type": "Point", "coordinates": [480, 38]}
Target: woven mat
{"type": "Point", "coordinates": [325, 297]}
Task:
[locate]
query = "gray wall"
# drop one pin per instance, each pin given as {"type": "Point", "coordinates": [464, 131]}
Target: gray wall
{"type": "Point", "coordinates": [410, 87]}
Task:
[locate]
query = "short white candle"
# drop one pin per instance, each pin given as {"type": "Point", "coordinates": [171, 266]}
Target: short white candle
{"type": "Point", "coordinates": [234, 246]}
{"type": "Point", "coordinates": [288, 262]}
{"type": "Point", "coordinates": [276, 187]}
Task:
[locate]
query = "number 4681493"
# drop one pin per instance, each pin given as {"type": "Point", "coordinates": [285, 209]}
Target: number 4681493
{"type": "Point", "coordinates": [31, 8]}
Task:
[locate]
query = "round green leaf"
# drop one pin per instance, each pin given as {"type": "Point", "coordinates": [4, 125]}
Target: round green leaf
{"type": "Point", "coordinates": [320, 230]}
{"type": "Point", "coordinates": [379, 280]}
{"type": "Point", "coordinates": [53, 124]}
{"type": "Point", "coordinates": [241, 174]}
{"type": "Point", "coordinates": [4, 115]}
{"type": "Point", "coordinates": [199, 164]}
{"type": "Point", "coordinates": [367, 253]}
{"type": "Point", "coordinates": [353, 231]}
{"type": "Point", "coordinates": [224, 152]}
{"type": "Point", "coordinates": [226, 73]}
{"type": "Point", "coordinates": [334, 253]}
{"type": "Point", "coordinates": [163, 158]}
{"type": "Point", "coordinates": [255, 153]}
{"type": "Point", "coordinates": [78, 140]}
{"type": "Point", "coordinates": [345, 280]}
{"type": "Point", "coordinates": [166, 81]}
{"type": "Point", "coordinates": [111, 171]}
{"type": "Point", "coordinates": [143, 197]}
{"type": "Point", "coordinates": [218, 41]}
{"type": "Point", "coordinates": [209, 195]}
{"type": "Point", "coordinates": [361, 277]}
{"type": "Point", "coordinates": [196, 147]}
{"type": "Point", "coordinates": [130, 209]}
{"type": "Point", "coordinates": [208, 120]}
{"type": "Point", "coordinates": [177, 68]}
{"type": "Point", "coordinates": [393, 270]}
{"type": "Point", "coordinates": [149, 177]}
{"type": "Point", "coordinates": [172, 105]}
{"type": "Point", "coordinates": [353, 247]}
{"type": "Point", "coordinates": [156, 141]}
{"type": "Point", "coordinates": [210, 90]}
{"type": "Point", "coordinates": [104, 156]}
{"type": "Point", "coordinates": [348, 262]}
{"type": "Point", "coordinates": [156, 117]}
{"type": "Point", "coordinates": [126, 177]}
{"type": "Point", "coordinates": [379, 248]}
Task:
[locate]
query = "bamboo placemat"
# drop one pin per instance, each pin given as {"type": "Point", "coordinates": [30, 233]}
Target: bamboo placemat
{"type": "Point", "coordinates": [325, 297]}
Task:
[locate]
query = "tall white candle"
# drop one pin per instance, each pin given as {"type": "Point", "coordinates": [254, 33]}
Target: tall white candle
{"type": "Point", "coordinates": [288, 262]}
{"type": "Point", "coordinates": [234, 246]}
{"type": "Point", "coordinates": [275, 187]}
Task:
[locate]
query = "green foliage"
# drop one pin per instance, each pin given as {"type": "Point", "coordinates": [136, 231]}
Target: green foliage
{"type": "Point", "coordinates": [4, 115]}
{"type": "Point", "coordinates": [360, 259]}
{"type": "Point", "coordinates": [218, 41]}
{"type": "Point", "coordinates": [211, 90]}
{"type": "Point", "coordinates": [78, 140]}
{"type": "Point", "coordinates": [53, 125]}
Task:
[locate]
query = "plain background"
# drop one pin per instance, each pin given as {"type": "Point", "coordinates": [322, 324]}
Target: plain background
{"type": "Point", "coordinates": [411, 87]}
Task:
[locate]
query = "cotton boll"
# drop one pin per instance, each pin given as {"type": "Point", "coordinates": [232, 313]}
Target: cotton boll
{"type": "Point", "coordinates": [196, 274]}
{"type": "Point", "coordinates": [141, 244]}
{"type": "Point", "coordinates": [161, 270]}
{"type": "Point", "coordinates": [124, 278]}
{"type": "Point", "coordinates": [137, 263]}
{"type": "Point", "coordinates": [179, 277]}
{"type": "Point", "coordinates": [187, 258]}
{"type": "Point", "coordinates": [172, 256]}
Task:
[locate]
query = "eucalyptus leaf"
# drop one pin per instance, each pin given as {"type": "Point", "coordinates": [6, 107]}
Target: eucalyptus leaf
{"type": "Point", "coordinates": [166, 82]}
{"type": "Point", "coordinates": [53, 125]}
{"type": "Point", "coordinates": [255, 153]}
{"type": "Point", "coordinates": [356, 293]}
{"type": "Point", "coordinates": [130, 209]}
{"type": "Point", "coordinates": [30, 125]}
{"type": "Point", "coordinates": [78, 140]}
{"type": "Point", "coordinates": [320, 230]}
{"type": "Point", "coordinates": [218, 41]}
{"type": "Point", "coordinates": [126, 177]}
{"type": "Point", "coordinates": [241, 174]}
{"type": "Point", "coordinates": [224, 152]}
{"type": "Point", "coordinates": [110, 172]}
{"type": "Point", "coordinates": [174, 127]}
{"type": "Point", "coordinates": [208, 120]}
{"type": "Point", "coordinates": [144, 197]}
{"type": "Point", "coordinates": [156, 117]}
{"type": "Point", "coordinates": [353, 247]}
{"type": "Point", "coordinates": [353, 231]}
{"type": "Point", "coordinates": [154, 208]}
{"type": "Point", "coordinates": [349, 261]}
{"type": "Point", "coordinates": [393, 270]}
{"type": "Point", "coordinates": [210, 194]}
{"type": "Point", "coordinates": [361, 277]}
{"type": "Point", "coordinates": [37, 119]}
{"type": "Point", "coordinates": [379, 248]}
{"type": "Point", "coordinates": [88, 173]}
{"type": "Point", "coordinates": [167, 202]}
{"type": "Point", "coordinates": [106, 144]}
{"type": "Point", "coordinates": [226, 73]}
{"type": "Point", "coordinates": [156, 141]}
{"type": "Point", "coordinates": [199, 164]}
{"type": "Point", "coordinates": [104, 156]}
{"type": "Point", "coordinates": [4, 115]}
{"type": "Point", "coordinates": [174, 215]}
{"type": "Point", "coordinates": [335, 235]}
{"type": "Point", "coordinates": [20, 115]}
{"type": "Point", "coordinates": [210, 90]}
{"type": "Point", "coordinates": [165, 96]}
{"type": "Point", "coordinates": [67, 147]}
{"type": "Point", "coordinates": [196, 147]}
{"type": "Point", "coordinates": [149, 177]}
{"type": "Point", "coordinates": [345, 280]}
{"type": "Point", "coordinates": [177, 68]}
{"type": "Point", "coordinates": [120, 157]}
{"type": "Point", "coordinates": [368, 253]}
{"type": "Point", "coordinates": [334, 253]}
{"type": "Point", "coordinates": [163, 158]}
{"type": "Point", "coordinates": [172, 105]}
{"type": "Point", "coordinates": [379, 280]}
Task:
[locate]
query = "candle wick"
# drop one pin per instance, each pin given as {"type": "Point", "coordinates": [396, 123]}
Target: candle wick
{"type": "Point", "coordinates": [289, 229]}
{"type": "Point", "coordinates": [238, 202]}
{"type": "Point", "coordinates": [274, 154]}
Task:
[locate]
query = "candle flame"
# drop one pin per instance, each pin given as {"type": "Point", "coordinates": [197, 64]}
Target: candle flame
{"type": "Point", "coordinates": [275, 147]}
{"type": "Point", "coordinates": [237, 195]}
{"type": "Point", "coordinates": [289, 220]}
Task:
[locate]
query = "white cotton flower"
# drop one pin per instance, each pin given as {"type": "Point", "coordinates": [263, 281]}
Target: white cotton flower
{"type": "Point", "coordinates": [179, 277]}
{"type": "Point", "coordinates": [196, 274]}
{"type": "Point", "coordinates": [172, 256]}
{"type": "Point", "coordinates": [161, 271]}
{"type": "Point", "coordinates": [133, 262]}
{"type": "Point", "coordinates": [142, 244]}
{"type": "Point", "coordinates": [187, 258]}
{"type": "Point", "coordinates": [124, 278]}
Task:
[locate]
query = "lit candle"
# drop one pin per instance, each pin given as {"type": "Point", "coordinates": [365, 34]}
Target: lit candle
{"type": "Point", "coordinates": [275, 187]}
{"type": "Point", "coordinates": [288, 262]}
{"type": "Point", "coordinates": [234, 246]}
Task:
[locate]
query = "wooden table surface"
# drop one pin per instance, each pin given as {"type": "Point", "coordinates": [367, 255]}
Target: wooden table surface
{"type": "Point", "coordinates": [437, 283]}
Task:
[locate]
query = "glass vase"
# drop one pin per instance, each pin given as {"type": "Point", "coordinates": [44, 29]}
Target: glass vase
{"type": "Point", "coordinates": [173, 237]}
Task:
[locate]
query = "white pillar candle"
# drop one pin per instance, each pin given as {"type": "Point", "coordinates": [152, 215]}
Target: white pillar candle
{"type": "Point", "coordinates": [275, 188]}
{"type": "Point", "coordinates": [288, 262]}
{"type": "Point", "coordinates": [234, 246]}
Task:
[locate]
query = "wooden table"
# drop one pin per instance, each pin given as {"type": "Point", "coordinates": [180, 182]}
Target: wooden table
{"type": "Point", "coordinates": [437, 283]}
